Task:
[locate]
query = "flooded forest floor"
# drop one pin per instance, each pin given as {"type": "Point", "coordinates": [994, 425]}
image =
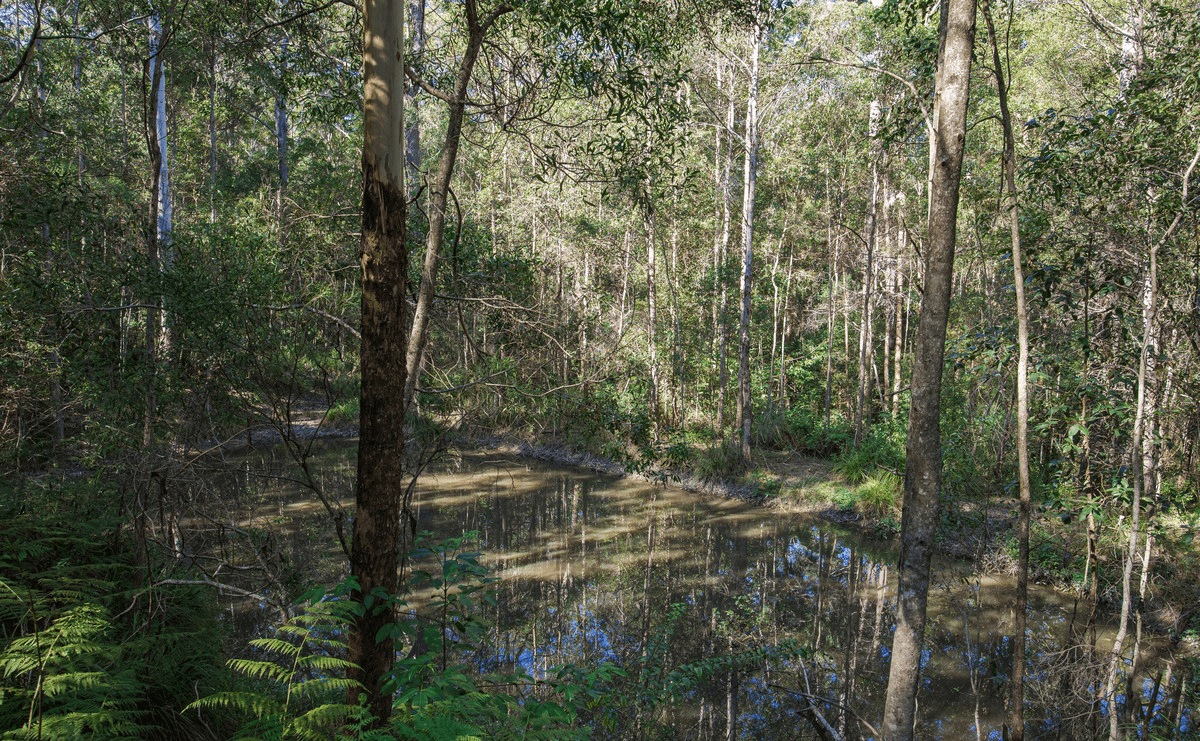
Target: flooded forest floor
{"type": "Point", "coordinates": [975, 532]}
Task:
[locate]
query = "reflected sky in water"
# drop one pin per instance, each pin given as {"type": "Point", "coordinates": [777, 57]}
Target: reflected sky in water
{"type": "Point", "coordinates": [591, 565]}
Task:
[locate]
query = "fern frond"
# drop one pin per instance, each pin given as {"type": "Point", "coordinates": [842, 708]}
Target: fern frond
{"type": "Point", "coordinates": [248, 703]}
{"type": "Point", "coordinates": [275, 645]}
{"type": "Point", "coordinates": [322, 685]}
{"type": "Point", "coordinates": [318, 723]}
{"type": "Point", "coordinates": [323, 663]}
{"type": "Point", "coordinates": [261, 669]}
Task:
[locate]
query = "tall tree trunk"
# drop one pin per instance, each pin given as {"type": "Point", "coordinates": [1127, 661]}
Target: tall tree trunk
{"type": "Point", "coordinates": [1017, 731]}
{"type": "Point", "coordinates": [726, 219]}
{"type": "Point", "coordinates": [785, 332]}
{"type": "Point", "coordinates": [1087, 482]}
{"type": "Point", "coordinates": [212, 133]}
{"type": "Point", "coordinates": [749, 179]}
{"type": "Point", "coordinates": [624, 286]}
{"type": "Point", "coordinates": [923, 475]}
{"type": "Point", "coordinates": [774, 319]}
{"type": "Point", "coordinates": [381, 508]}
{"type": "Point", "coordinates": [281, 133]}
{"type": "Point", "coordinates": [865, 334]}
{"type": "Point", "coordinates": [716, 250]}
{"type": "Point", "coordinates": [898, 349]}
{"type": "Point", "coordinates": [1149, 319]}
{"type": "Point", "coordinates": [886, 301]}
{"type": "Point", "coordinates": [161, 214]}
{"type": "Point", "coordinates": [456, 101]}
{"type": "Point", "coordinates": [832, 246]}
{"type": "Point", "coordinates": [53, 361]}
{"type": "Point", "coordinates": [680, 409]}
{"type": "Point", "coordinates": [648, 223]}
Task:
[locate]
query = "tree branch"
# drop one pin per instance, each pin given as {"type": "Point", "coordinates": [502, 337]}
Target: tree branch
{"type": "Point", "coordinates": [27, 55]}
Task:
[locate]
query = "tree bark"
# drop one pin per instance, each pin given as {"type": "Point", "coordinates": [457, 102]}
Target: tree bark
{"type": "Point", "coordinates": [161, 214]}
{"type": "Point", "coordinates": [830, 284]}
{"type": "Point", "coordinates": [726, 219]}
{"type": "Point", "coordinates": [898, 322]}
{"type": "Point", "coordinates": [212, 133]}
{"type": "Point", "coordinates": [866, 338]}
{"type": "Point", "coordinates": [281, 132]}
{"type": "Point", "coordinates": [749, 178]}
{"type": "Point", "coordinates": [923, 475]}
{"type": "Point", "coordinates": [380, 505]}
{"type": "Point", "coordinates": [648, 223]}
{"type": "Point", "coordinates": [1017, 717]}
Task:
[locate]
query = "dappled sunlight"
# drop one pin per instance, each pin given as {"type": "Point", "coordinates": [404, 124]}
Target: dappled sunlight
{"type": "Point", "coordinates": [589, 566]}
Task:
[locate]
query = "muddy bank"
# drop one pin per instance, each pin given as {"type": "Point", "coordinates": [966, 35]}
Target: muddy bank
{"type": "Point", "coordinates": [565, 455]}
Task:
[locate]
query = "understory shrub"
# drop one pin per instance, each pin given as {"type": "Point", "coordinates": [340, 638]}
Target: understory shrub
{"type": "Point", "coordinates": [881, 451]}
{"type": "Point", "coordinates": [802, 431]}
{"type": "Point", "coordinates": [879, 495]}
{"type": "Point", "coordinates": [720, 460]}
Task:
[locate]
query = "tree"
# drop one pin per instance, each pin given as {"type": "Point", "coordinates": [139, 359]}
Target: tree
{"type": "Point", "coordinates": [923, 473]}
{"type": "Point", "coordinates": [380, 505]}
{"type": "Point", "coordinates": [750, 142]}
{"type": "Point", "coordinates": [1021, 600]}
{"type": "Point", "coordinates": [478, 26]}
{"type": "Point", "coordinates": [1023, 391]}
{"type": "Point", "coordinates": [159, 235]}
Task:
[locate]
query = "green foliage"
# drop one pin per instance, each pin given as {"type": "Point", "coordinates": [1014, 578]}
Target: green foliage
{"type": "Point", "coordinates": [879, 495]}
{"type": "Point", "coordinates": [721, 460]}
{"type": "Point", "coordinates": [766, 484]}
{"type": "Point", "coordinates": [802, 431]}
{"type": "Point", "coordinates": [345, 412]}
{"type": "Point", "coordinates": [80, 654]}
{"type": "Point", "coordinates": [879, 452]}
{"type": "Point", "coordinates": [296, 686]}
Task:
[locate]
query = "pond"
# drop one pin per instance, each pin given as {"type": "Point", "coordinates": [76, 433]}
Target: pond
{"type": "Point", "coordinates": [594, 567]}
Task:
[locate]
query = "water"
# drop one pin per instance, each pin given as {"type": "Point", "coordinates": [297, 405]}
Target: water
{"type": "Point", "coordinates": [594, 567]}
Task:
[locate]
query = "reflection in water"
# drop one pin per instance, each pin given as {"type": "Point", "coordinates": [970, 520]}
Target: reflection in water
{"type": "Point", "coordinates": [595, 567]}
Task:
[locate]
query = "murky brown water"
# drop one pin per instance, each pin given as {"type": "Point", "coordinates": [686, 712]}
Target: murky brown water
{"type": "Point", "coordinates": [594, 567]}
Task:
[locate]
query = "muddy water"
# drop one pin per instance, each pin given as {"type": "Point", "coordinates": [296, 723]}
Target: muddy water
{"type": "Point", "coordinates": [594, 567]}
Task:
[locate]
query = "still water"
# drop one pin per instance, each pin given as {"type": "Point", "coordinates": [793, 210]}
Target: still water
{"type": "Point", "coordinates": [594, 567]}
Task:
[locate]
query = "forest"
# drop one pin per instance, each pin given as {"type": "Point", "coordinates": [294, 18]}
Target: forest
{"type": "Point", "coordinates": [613, 369]}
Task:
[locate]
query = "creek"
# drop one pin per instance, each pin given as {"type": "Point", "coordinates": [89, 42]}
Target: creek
{"type": "Point", "coordinates": [594, 567]}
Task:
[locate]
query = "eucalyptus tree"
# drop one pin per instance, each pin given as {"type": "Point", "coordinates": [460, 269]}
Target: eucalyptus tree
{"type": "Point", "coordinates": [479, 21]}
{"type": "Point", "coordinates": [541, 63]}
{"type": "Point", "coordinates": [923, 472]}
{"type": "Point", "coordinates": [1017, 705]}
{"type": "Point", "coordinates": [160, 253]}
{"type": "Point", "coordinates": [753, 50]}
{"type": "Point", "coordinates": [750, 143]}
{"type": "Point", "coordinates": [601, 53]}
{"type": "Point", "coordinates": [381, 507]}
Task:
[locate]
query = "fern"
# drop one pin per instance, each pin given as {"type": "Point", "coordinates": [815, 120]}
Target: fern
{"type": "Point", "coordinates": [295, 685]}
{"type": "Point", "coordinates": [68, 667]}
{"type": "Point", "coordinates": [60, 681]}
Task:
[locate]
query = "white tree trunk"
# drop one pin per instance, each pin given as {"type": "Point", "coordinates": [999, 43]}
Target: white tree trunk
{"type": "Point", "coordinates": [749, 179]}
